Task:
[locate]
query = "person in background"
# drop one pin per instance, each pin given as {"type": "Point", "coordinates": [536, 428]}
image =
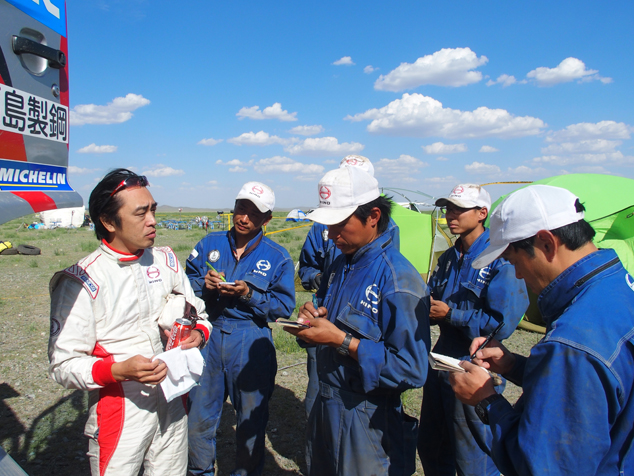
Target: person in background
{"type": "Point", "coordinates": [465, 304]}
{"type": "Point", "coordinates": [371, 329]}
{"type": "Point", "coordinates": [575, 415]}
{"type": "Point", "coordinates": [105, 313]}
{"type": "Point", "coordinates": [247, 281]}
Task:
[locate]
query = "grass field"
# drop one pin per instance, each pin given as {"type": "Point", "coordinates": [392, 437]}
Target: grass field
{"type": "Point", "coordinates": [42, 423]}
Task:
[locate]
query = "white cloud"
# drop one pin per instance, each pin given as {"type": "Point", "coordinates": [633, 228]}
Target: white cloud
{"type": "Point", "coordinates": [79, 170]}
{"type": "Point", "coordinates": [404, 166]}
{"type": "Point", "coordinates": [97, 149]}
{"type": "Point", "coordinates": [447, 67]}
{"type": "Point", "coordinates": [592, 146]}
{"type": "Point", "coordinates": [441, 180]}
{"type": "Point", "coordinates": [488, 149]}
{"type": "Point", "coordinates": [237, 170]}
{"type": "Point", "coordinates": [115, 112]}
{"type": "Point", "coordinates": [234, 162]}
{"type": "Point", "coordinates": [161, 170]}
{"type": "Point", "coordinates": [480, 168]}
{"type": "Point", "coordinates": [259, 138]}
{"type": "Point", "coordinates": [566, 71]}
{"type": "Point", "coordinates": [369, 69]}
{"type": "Point", "coordinates": [307, 130]}
{"type": "Point", "coordinates": [442, 159]}
{"type": "Point", "coordinates": [272, 112]}
{"type": "Point", "coordinates": [346, 61]}
{"type": "Point", "coordinates": [588, 130]}
{"type": "Point", "coordinates": [324, 146]}
{"type": "Point", "coordinates": [438, 148]}
{"type": "Point", "coordinates": [615, 157]}
{"type": "Point", "coordinates": [505, 80]}
{"type": "Point", "coordinates": [209, 141]}
{"type": "Point", "coordinates": [279, 164]}
{"type": "Point", "coordinates": [415, 115]}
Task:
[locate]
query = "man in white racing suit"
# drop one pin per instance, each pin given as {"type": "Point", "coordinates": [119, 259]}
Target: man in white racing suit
{"type": "Point", "coordinates": [108, 314]}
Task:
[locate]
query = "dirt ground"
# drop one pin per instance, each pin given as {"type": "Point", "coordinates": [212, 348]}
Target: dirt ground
{"type": "Point", "coordinates": [42, 423]}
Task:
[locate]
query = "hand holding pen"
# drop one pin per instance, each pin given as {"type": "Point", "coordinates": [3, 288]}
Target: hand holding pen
{"type": "Point", "coordinates": [488, 339]}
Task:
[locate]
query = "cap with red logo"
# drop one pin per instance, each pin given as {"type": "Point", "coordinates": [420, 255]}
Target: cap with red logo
{"type": "Point", "coordinates": [261, 195]}
{"type": "Point", "coordinates": [467, 195]}
{"type": "Point", "coordinates": [358, 161]}
{"type": "Point", "coordinates": [341, 192]}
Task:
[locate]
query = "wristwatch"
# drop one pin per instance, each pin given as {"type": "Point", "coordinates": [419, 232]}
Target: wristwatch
{"type": "Point", "coordinates": [343, 348]}
{"type": "Point", "coordinates": [448, 315]}
{"type": "Point", "coordinates": [247, 297]}
{"type": "Point", "coordinates": [481, 407]}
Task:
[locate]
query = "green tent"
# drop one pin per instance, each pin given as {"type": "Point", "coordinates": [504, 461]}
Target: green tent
{"type": "Point", "coordinates": [609, 203]}
{"type": "Point", "coordinates": [421, 239]}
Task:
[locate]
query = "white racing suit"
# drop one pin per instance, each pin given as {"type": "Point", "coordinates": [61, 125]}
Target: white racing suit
{"type": "Point", "coordinates": [107, 308]}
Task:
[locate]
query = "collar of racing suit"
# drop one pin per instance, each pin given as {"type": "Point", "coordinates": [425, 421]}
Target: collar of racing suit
{"type": "Point", "coordinates": [120, 256]}
{"type": "Point", "coordinates": [376, 247]}
{"type": "Point", "coordinates": [251, 245]}
{"type": "Point", "coordinates": [558, 295]}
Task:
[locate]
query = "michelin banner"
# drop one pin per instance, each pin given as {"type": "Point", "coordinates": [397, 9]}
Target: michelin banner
{"type": "Point", "coordinates": [27, 176]}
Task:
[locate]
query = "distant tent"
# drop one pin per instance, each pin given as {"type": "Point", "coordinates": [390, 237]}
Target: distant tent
{"type": "Point", "coordinates": [63, 217]}
{"type": "Point", "coordinates": [296, 215]}
{"type": "Point", "coordinates": [609, 204]}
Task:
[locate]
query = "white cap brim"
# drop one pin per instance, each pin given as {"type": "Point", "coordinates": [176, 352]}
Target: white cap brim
{"type": "Point", "coordinates": [330, 216]}
{"type": "Point", "coordinates": [488, 256]}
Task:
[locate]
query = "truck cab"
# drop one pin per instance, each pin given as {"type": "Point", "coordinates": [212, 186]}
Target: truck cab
{"type": "Point", "coordinates": [34, 108]}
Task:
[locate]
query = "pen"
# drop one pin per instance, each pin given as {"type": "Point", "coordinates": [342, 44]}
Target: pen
{"type": "Point", "coordinates": [488, 339]}
{"type": "Point", "coordinates": [214, 269]}
{"type": "Point", "coordinates": [315, 303]}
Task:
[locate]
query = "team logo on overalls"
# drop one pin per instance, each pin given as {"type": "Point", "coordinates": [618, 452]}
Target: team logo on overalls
{"type": "Point", "coordinates": [484, 276]}
{"type": "Point", "coordinates": [214, 256]}
{"type": "Point", "coordinates": [372, 296]}
{"type": "Point", "coordinates": [153, 272]}
{"type": "Point", "coordinates": [263, 265]}
{"type": "Point", "coordinates": [629, 283]}
{"type": "Point", "coordinates": [325, 234]}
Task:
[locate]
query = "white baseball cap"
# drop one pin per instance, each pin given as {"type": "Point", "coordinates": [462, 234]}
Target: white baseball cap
{"type": "Point", "coordinates": [467, 195]}
{"type": "Point", "coordinates": [358, 161]}
{"type": "Point", "coordinates": [261, 195]}
{"type": "Point", "coordinates": [341, 191]}
{"type": "Point", "coordinates": [525, 212]}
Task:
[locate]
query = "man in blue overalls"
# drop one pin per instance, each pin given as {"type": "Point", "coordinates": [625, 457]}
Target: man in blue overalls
{"type": "Point", "coordinates": [372, 334]}
{"type": "Point", "coordinates": [317, 254]}
{"type": "Point", "coordinates": [465, 304]}
{"type": "Point", "coordinates": [247, 281]}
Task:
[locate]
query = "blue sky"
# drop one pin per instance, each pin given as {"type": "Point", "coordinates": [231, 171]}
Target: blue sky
{"type": "Point", "coordinates": [204, 96]}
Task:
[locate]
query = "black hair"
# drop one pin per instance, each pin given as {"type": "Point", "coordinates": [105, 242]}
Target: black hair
{"type": "Point", "coordinates": [573, 236]}
{"type": "Point", "coordinates": [102, 205]}
{"type": "Point", "coordinates": [384, 204]}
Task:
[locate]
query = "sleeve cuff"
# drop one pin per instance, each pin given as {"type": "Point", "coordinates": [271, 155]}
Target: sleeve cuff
{"type": "Point", "coordinates": [202, 328]}
{"type": "Point", "coordinates": [102, 373]}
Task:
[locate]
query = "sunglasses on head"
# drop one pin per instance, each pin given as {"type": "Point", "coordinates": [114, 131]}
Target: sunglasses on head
{"type": "Point", "coordinates": [132, 181]}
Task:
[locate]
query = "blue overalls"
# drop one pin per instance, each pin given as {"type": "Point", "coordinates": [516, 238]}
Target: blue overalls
{"type": "Point", "coordinates": [240, 355]}
{"type": "Point", "coordinates": [317, 254]}
{"type": "Point", "coordinates": [576, 413]}
{"type": "Point", "coordinates": [357, 425]}
{"type": "Point", "coordinates": [452, 437]}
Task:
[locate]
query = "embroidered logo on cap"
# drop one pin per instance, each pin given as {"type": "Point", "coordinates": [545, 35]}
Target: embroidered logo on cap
{"type": "Point", "coordinates": [324, 192]}
{"type": "Point", "coordinates": [257, 190]}
{"type": "Point", "coordinates": [457, 191]}
{"type": "Point", "coordinates": [352, 161]}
